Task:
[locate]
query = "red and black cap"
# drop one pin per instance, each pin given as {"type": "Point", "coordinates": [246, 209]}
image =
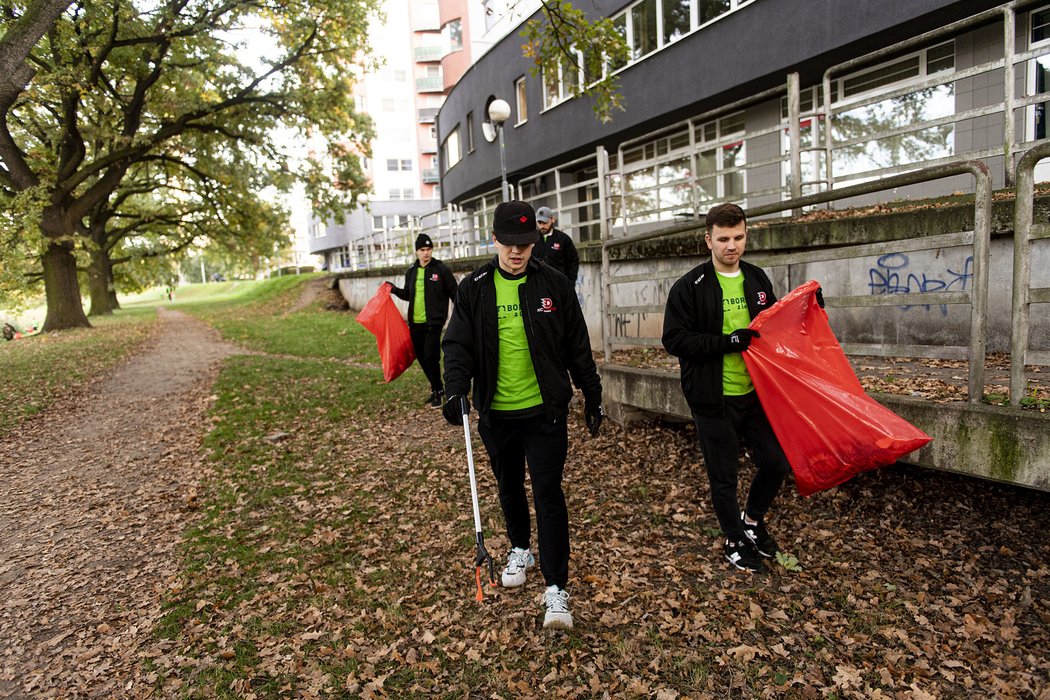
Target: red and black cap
{"type": "Point", "coordinates": [514, 223]}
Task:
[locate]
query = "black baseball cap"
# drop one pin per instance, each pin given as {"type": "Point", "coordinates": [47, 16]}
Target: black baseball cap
{"type": "Point", "coordinates": [514, 223]}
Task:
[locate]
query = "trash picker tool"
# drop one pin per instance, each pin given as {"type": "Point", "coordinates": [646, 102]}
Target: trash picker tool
{"type": "Point", "coordinates": [482, 558]}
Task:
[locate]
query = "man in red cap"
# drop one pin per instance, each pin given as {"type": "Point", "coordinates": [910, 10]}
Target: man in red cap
{"type": "Point", "coordinates": [518, 334]}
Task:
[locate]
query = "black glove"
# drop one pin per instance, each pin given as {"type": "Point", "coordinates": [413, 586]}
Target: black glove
{"type": "Point", "coordinates": [454, 408]}
{"type": "Point", "coordinates": [820, 297]}
{"type": "Point", "coordinates": [738, 340]}
{"type": "Point", "coordinates": [593, 413]}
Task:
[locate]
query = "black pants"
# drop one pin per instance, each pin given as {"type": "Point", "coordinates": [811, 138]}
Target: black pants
{"type": "Point", "coordinates": [426, 341]}
{"type": "Point", "coordinates": [720, 443]}
{"type": "Point", "coordinates": [543, 445]}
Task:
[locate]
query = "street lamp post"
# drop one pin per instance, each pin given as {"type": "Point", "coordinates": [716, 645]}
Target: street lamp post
{"type": "Point", "coordinates": [499, 112]}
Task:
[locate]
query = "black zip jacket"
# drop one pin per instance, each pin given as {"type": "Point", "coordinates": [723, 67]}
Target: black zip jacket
{"type": "Point", "coordinates": [439, 285]}
{"type": "Point", "coordinates": [554, 326]}
{"type": "Point", "coordinates": [559, 252]}
{"type": "Point", "coordinates": [693, 329]}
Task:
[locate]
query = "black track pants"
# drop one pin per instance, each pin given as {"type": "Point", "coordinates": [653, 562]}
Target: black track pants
{"type": "Point", "coordinates": [426, 341]}
{"type": "Point", "coordinates": [511, 443]}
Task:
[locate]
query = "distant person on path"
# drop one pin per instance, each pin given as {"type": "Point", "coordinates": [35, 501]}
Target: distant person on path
{"type": "Point", "coordinates": [518, 334]}
{"type": "Point", "coordinates": [555, 247]}
{"type": "Point", "coordinates": [429, 285]}
{"type": "Point", "coordinates": [705, 327]}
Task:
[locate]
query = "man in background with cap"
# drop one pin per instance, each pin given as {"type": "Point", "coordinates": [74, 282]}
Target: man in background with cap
{"type": "Point", "coordinates": [429, 285]}
{"type": "Point", "coordinates": [518, 334]}
{"type": "Point", "coordinates": [555, 247]}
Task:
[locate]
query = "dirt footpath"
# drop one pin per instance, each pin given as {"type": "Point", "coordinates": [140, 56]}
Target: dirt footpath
{"type": "Point", "coordinates": [93, 496]}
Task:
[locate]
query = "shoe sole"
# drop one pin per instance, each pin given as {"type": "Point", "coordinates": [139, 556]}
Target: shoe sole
{"type": "Point", "coordinates": [744, 568]}
{"type": "Point", "coordinates": [767, 555]}
{"type": "Point", "coordinates": [557, 621]}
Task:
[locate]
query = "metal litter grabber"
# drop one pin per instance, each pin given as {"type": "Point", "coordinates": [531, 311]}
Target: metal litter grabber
{"type": "Point", "coordinates": [482, 557]}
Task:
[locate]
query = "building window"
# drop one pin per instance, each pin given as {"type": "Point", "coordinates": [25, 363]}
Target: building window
{"type": "Point", "coordinates": [377, 223]}
{"type": "Point", "coordinates": [676, 16]}
{"type": "Point", "coordinates": [395, 194]}
{"type": "Point", "coordinates": [391, 165]}
{"type": "Point", "coordinates": [643, 26]}
{"type": "Point", "coordinates": [400, 76]}
{"type": "Point", "coordinates": [1038, 73]}
{"type": "Point", "coordinates": [452, 36]}
{"type": "Point", "coordinates": [408, 193]}
{"type": "Point", "coordinates": [406, 166]}
{"type": "Point", "coordinates": [451, 149]}
{"type": "Point", "coordinates": [561, 86]}
{"type": "Point", "coordinates": [470, 132]}
{"type": "Point", "coordinates": [519, 96]}
{"type": "Point", "coordinates": [721, 159]}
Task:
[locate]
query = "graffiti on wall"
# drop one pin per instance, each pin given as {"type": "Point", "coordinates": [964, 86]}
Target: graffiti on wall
{"type": "Point", "coordinates": [894, 274]}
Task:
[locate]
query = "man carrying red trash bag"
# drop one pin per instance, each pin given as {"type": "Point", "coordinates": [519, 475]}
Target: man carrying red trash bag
{"type": "Point", "coordinates": [711, 320]}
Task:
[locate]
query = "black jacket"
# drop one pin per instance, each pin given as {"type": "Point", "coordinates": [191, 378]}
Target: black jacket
{"type": "Point", "coordinates": [693, 329]}
{"type": "Point", "coordinates": [439, 285]}
{"type": "Point", "coordinates": [554, 327]}
{"type": "Point", "coordinates": [559, 252]}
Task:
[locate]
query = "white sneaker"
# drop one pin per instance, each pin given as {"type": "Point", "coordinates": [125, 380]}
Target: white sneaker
{"type": "Point", "coordinates": [558, 616]}
{"type": "Point", "coordinates": [518, 560]}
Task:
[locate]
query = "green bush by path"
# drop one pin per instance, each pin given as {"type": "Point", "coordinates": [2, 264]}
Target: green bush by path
{"type": "Point", "coordinates": [36, 370]}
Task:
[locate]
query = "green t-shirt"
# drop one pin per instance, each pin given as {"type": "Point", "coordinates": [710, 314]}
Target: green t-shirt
{"type": "Point", "coordinates": [516, 385]}
{"type": "Point", "coordinates": [735, 379]}
{"type": "Point", "coordinates": [419, 306]}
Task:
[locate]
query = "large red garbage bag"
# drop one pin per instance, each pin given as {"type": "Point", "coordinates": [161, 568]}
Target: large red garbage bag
{"type": "Point", "coordinates": [829, 428]}
{"type": "Point", "coordinates": [382, 318]}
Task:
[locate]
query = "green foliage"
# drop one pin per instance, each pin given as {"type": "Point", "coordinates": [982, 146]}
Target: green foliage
{"type": "Point", "coordinates": [789, 562]}
{"type": "Point", "coordinates": [565, 39]}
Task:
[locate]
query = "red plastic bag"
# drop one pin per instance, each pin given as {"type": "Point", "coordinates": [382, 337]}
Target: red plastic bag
{"type": "Point", "coordinates": [829, 428]}
{"type": "Point", "coordinates": [382, 318]}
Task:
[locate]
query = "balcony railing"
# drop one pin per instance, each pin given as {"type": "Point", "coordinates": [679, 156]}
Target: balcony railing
{"type": "Point", "coordinates": [427, 115]}
{"type": "Point", "coordinates": [430, 176]}
{"type": "Point", "coordinates": [428, 147]}
{"type": "Point", "coordinates": [426, 54]}
{"type": "Point", "coordinates": [429, 84]}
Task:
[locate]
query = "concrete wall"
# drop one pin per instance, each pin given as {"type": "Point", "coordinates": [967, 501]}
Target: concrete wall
{"type": "Point", "coordinates": [991, 442]}
{"type": "Point", "coordinates": [940, 269]}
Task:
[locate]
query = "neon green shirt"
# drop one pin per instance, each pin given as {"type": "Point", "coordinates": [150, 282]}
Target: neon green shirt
{"type": "Point", "coordinates": [735, 379]}
{"type": "Point", "coordinates": [419, 305]}
{"type": "Point", "coordinates": [516, 385]}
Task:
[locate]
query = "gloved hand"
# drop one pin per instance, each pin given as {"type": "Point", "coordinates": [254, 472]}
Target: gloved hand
{"type": "Point", "coordinates": [820, 297]}
{"type": "Point", "coordinates": [453, 410]}
{"type": "Point", "coordinates": [593, 413]}
{"type": "Point", "coordinates": [738, 340]}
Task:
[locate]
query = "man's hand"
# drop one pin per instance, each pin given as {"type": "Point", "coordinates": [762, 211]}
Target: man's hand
{"type": "Point", "coordinates": [820, 297]}
{"type": "Point", "coordinates": [593, 413]}
{"type": "Point", "coordinates": [738, 340]}
{"type": "Point", "coordinates": [454, 408]}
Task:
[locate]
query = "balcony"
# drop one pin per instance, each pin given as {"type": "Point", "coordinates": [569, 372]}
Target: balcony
{"type": "Point", "coordinates": [430, 84]}
{"type": "Point", "coordinates": [428, 115]}
{"type": "Point", "coordinates": [426, 147]}
{"type": "Point", "coordinates": [430, 176]}
{"type": "Point", "coordinates": [427, 54]}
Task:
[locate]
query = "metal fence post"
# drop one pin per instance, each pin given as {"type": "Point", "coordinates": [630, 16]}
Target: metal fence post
{"type": "Point", "coordinates": [604, 284]}
{"type": "Point", "coordinates": [794, 138]}
{"type": "Point", "coordinates": [1008, 93]}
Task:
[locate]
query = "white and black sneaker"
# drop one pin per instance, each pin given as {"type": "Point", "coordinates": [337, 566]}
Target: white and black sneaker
{"type": "Point", "coordinates": [518, 560]}
{"type": "Point", "coordinates": [760, 537]}
{"type": "Point", "coordinates": [557, 616]}
{"type": "Point", "coordinates": [743, 555]}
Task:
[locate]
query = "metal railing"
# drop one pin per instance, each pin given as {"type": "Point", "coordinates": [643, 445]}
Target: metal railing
{"type": "Point", "coordinates": [977, 297]}
{"type": "Point", "coordinates": [1024, 295]}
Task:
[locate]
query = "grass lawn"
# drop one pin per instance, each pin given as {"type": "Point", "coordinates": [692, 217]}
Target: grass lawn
{"type": "Point", "coordinates": [330, 554]}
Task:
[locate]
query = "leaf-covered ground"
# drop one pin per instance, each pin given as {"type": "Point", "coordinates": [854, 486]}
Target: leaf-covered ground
{"type": "Point", "coordinates": [332, 557]}
{"type": "Point", "coordinates": [321, 546]}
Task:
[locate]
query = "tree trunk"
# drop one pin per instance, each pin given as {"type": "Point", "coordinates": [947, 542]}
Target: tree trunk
{"type": "Point", "coordinates": [64, 308]}
{"type": "Point", "coordinates": [100, 284]}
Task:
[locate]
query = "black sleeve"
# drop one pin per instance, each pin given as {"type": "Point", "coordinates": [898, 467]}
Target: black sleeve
{"type": "Point", "coordinates": [458, 345]}
{"type": "Point", "coordinates": [448, 281]}
{"type": "Point", "coordinates": [681, 338]}
{"type": "Point", "coordinates": [399, 292]}
{"type": "Point", "coordinates": [572, 260]}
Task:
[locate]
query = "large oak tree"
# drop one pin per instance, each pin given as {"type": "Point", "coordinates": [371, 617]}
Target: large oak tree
{"type": "Point", "coordinates": [120, 83]}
